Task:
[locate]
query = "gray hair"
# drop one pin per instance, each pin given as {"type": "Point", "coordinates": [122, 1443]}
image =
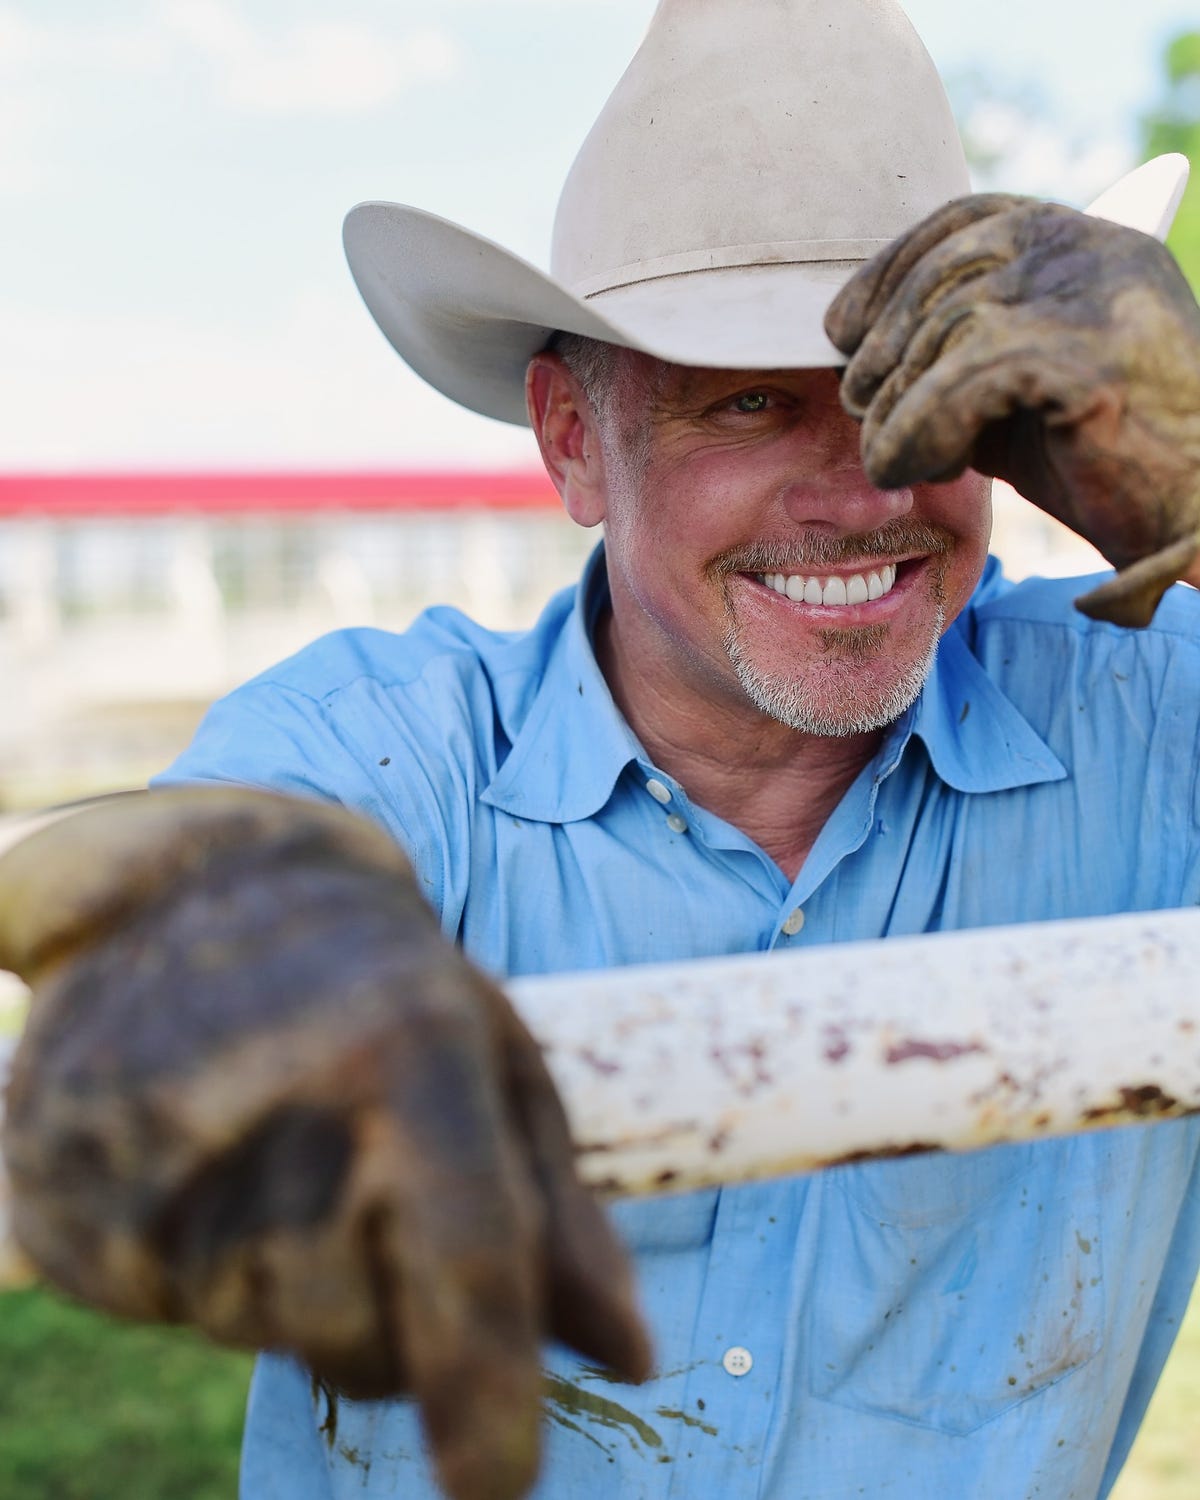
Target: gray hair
{"type": "Point", "coordinates": [606, 378]}
{"type": "Point", "coordinates": [593, 364]}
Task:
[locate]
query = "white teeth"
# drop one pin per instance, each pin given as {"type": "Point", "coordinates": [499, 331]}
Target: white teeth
{"type": "Point", "coordinates": [833, 591]}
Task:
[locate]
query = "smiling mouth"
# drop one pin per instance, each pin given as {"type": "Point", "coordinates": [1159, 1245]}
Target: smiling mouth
{"type": "Point", "coordinates": [804, 588]}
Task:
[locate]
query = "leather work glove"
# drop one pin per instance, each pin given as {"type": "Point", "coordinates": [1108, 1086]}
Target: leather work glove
{"type": "Point", "coordinates": [1051, 349]}
{"type": "Point", "coordinates": [259, 1092]}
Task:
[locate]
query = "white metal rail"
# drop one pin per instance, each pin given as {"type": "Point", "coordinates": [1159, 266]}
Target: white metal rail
{"type": "Point", "coordinates": [727, 1069]}
{"type": "Point", "coordinates": [723, 1070]}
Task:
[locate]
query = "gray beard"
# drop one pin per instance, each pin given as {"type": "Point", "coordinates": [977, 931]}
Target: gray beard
{"type": "Point", "coordinates": [845, 708]}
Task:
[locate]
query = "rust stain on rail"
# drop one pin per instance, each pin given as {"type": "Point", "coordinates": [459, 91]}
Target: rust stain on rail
{"type": "Point", "coordinates": [1139, 1102]}
{"type": "Point", "coordinates": [883, 1153]}
{"type": "Point", "coordinates": [911, 1047]}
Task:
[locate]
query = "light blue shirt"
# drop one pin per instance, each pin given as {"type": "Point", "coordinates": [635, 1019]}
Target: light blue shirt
{"type": "Point", "coordinates": [989, 1325]}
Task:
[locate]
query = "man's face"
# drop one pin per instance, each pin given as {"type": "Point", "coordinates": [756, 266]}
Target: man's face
{"type": "Point", "coordinates": [750, 559]}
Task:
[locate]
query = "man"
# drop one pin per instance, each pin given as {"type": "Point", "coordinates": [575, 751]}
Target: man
{"type": "Point", "coordinates": [789, 703]}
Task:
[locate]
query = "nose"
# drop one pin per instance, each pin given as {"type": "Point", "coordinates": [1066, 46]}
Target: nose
{"type": "Point", "coordinates": [843, 502]}
{"type": "Point", "coordinates": [823, 486]}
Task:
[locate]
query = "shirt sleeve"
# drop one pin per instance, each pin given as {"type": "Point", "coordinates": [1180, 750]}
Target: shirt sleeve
{"type": "Point", "coordinates": [1121, 711]}
{"type": "Point", "coordinates": [385, 751]}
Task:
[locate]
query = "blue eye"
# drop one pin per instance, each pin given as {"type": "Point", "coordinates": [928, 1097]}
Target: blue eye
{"type": "Point", "coordinates": [752, 402]}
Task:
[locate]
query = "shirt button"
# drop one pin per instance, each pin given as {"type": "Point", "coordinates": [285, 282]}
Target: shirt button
{"type": "Point", "coordinates": [794, 923]}
{"type": "Point", "coordinates": [677, 824]}
{"type": "Point", "coordinates": [737, 1360]}
{"type": "Point", "coordinates": [659, 792]}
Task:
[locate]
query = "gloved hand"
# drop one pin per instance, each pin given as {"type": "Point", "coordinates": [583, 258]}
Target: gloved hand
{"type": "Point", "coordinates": [1054, 350]}
{"type": "Point", "coordinates": [259, 1092]}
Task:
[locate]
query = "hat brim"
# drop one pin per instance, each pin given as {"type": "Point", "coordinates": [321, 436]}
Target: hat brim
{"type": "Point", "coordinates": [468, 315]}
{"type": "Point", "coordinates": [1148, 198]}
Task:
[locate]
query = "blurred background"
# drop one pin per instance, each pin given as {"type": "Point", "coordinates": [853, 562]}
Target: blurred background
{"type": "Point", "coordinates": [208, 454]}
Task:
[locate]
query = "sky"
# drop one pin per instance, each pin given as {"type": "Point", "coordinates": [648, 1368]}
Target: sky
{"type": "Point", "coordinates": [173, 176]}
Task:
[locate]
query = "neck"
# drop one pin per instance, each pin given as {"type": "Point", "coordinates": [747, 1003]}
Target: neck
{"type": "Point", "coordinates": [778, 785]}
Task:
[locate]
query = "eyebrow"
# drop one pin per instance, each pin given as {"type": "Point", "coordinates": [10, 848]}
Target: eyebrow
{"type": "Point", "coordinates": [689, 389]}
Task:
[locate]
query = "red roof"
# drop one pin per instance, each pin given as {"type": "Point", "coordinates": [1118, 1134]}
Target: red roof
{"type": "Point", "coordinates": [145, 494]}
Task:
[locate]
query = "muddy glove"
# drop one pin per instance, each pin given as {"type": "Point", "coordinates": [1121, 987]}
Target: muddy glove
{"type": "Point", "coordinates": [1054, 350]}
{"type": "Point", "coordinates": [259, 1092]}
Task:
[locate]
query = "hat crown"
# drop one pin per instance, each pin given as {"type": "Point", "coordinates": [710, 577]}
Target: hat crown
{"type": "Point", "coordinates": [752, 132]}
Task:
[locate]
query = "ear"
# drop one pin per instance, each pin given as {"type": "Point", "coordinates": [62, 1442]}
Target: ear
{"type": "Point", "coordinates": [567, 433]}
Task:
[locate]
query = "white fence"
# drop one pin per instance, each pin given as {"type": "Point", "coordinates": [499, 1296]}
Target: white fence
{"type": "Point", "coordinates": [724, 1070]}
{"type": "Point", "coordinates": [115, 634]}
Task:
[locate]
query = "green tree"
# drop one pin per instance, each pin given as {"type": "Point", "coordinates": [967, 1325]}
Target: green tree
{"type": "Point", "coordinates": [1174, 125]}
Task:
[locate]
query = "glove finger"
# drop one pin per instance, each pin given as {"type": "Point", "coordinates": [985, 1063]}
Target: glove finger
{"type": "Point", "coordinates": [470, 1326]}
{"type": "Point", "coordinates": [966, 272]}
{"type": "Point", "coordinates": [927, 428]}
{"type": "Point", "coordinates": [457, 1237]}
{"type": "Point", "coordinates": [861, 301]}
{"type": "Point", "coordinates": [592, 1304]}
{"type": "Point", "coordinates": [959, 321]}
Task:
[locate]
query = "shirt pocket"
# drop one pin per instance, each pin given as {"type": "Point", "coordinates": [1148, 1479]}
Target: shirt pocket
{"type": "Point", "coordinates": [949, 1289]}
{"type": "Point", "coordinates": [679, 1221]}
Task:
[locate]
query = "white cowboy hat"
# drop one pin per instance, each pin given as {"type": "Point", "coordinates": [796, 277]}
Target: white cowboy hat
{"type": "Point", "coordinates": [753, 155]}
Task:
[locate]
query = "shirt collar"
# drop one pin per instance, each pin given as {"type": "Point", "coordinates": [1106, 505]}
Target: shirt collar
{"type": "Point", "coordinates": [574, 744]}
{"type": "Point", "coordinates": [977, 739]}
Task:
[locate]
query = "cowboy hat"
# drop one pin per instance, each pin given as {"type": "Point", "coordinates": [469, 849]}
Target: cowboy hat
{"type": "Point", "coordinates": [752, 156]}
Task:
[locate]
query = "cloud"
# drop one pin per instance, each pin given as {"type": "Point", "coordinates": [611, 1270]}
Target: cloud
{"type": "Point", "coordinates": [309, 67]}
{"type": "Point", "coordinates": [19, 39]}
{"type": "Point", "coordinates": [29, 48]}
{"type": "Point", "coordinates": [296, 68]}
{"type": "Point", "coordinates": [1022, 152]}
{"type": "Point", "coordinates": [23, 167]}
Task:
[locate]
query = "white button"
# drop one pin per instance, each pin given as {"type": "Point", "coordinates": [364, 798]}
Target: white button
{"type": "Point", "coordinates": [737, 1360]}
{"type": "Point", "coordinates": [794, 923]}
{"type": "Point", "coordinates": [656, 789]}
{"type": "Point", "coordinates": [677, 824]}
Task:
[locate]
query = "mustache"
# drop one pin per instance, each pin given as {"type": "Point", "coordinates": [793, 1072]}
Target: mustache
{"type": "Point", "coordinates": [809, 552]}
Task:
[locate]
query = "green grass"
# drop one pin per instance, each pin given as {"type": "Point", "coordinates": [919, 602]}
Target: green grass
{"type": "Point", "coordinates": [95, 1410]}
{"type": "Point", "coordinates": [1165, 1462]}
